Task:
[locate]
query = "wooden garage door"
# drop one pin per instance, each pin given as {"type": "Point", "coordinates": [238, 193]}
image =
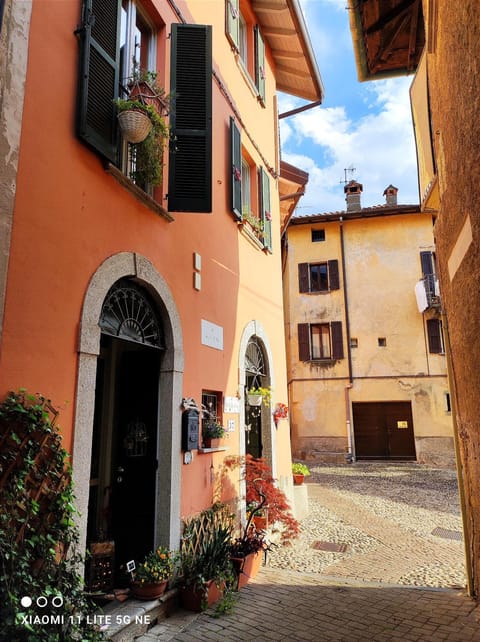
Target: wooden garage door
{"type": "Point", "coordinates": [383, 430]}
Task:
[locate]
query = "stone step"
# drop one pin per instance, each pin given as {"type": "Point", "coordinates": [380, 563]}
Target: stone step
{"type": "Point", "coordinates": [125, 621]}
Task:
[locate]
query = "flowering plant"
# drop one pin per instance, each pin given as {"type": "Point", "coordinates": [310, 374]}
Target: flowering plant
{"type": "Point", "coordinates": [280, 412]}
{"type": "Point", "coordinates": [157, 566]}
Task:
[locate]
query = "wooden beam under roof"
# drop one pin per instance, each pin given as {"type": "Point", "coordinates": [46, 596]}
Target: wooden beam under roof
{"type": "Point", "coordinates": [393, 14]}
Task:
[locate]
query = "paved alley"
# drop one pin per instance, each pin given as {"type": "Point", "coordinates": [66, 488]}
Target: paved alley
{"type": "Point", "coordinates": [398, 575]}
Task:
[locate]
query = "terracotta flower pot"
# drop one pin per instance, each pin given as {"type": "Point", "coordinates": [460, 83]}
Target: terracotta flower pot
{"type": "Point", "coordinates": [211, 442]}
{"type": "Point", "coordinates": [193, 599]}
{"type": "Point", "coordinates": [149, 591]}
{"type": "Point", "coordinates": [247, 567]}
{"type": "Point", "coordinates": [298, 479]}
{"type": "Point", "coordinates": [261, 523]}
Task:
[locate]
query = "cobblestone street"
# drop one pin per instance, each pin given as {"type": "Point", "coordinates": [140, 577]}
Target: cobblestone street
{"type": "Point", "coordinates": [400, 528]}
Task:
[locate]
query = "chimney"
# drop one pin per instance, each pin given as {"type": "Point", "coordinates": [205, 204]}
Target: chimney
{"type": "Point", "coordinates": [390, 194]}
{"type": "Point", "coordinates": [353, 191]}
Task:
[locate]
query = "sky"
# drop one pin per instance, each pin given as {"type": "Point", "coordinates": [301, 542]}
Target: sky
{"type": "Point", "coordinates": [366, 126]}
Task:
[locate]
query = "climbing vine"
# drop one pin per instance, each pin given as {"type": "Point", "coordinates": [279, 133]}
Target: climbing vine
{"type": "Point", "coordinates": [41, 589]}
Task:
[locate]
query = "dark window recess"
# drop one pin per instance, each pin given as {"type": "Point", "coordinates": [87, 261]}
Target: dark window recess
{"type": "Point", "coordinates": [190, 159]}
{"type": "Point", "coordinates": [318, 277]}
{"type": "Point", "coordinates": [318, 235]}
{"type": "Point", "coordinates": [382, 342]}
{"type": "Point", "coordinates": [99, 75]}
{"type": "Point", "coordinates": [435, 338]}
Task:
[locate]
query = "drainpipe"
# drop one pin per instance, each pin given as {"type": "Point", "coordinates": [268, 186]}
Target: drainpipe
{"type": "Point", "coordinates": [351, 457]}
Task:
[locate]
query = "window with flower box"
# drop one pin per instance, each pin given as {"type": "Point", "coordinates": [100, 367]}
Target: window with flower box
{"type": "Point", "coordinates": [250, 191]}
{"type": "Point", "coordinates": [115, 37]}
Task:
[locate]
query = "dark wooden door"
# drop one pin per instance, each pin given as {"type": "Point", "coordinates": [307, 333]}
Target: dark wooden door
{"type": "Point", "coordinates": [383, 430]}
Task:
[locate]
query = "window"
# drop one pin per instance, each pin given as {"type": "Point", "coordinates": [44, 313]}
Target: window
{"type": "Point", "coordinates": [250, 189]}
{"type": "Point", "coordinates": [320, 341]}
{"type": "Point", "coordinates": [247, 40]}
{"type": "Point", "coordinates": [318, 235]}
{"type": "Point", "coordinates": [113, 34]}
{"type": "Point", "coordinates": [353, 342]}
{"type": "Point", "coordinates": [435, 336]}
{"type": "Point", "coordinates": [211, 403]}
{"type": "Point", "coordinates": [382, 342]}
{"type": "Point", "coordinates": [318, 277]}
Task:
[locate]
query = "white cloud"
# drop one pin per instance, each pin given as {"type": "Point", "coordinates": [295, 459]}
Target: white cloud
{"type": "Point", "coordinates": [379, 144]}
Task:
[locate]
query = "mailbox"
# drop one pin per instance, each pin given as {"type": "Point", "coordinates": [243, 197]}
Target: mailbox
{"type": "Point", "coordinates": [190, 425]}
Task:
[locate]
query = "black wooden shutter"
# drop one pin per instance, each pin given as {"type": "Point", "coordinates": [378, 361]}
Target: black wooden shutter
{"type": "Point", "coordinates": [303, 270]}
{"type": "Point", "coordinates": [236, 168]}
{"type": "Point", "coordinates": [190, 159]}
{"type": "Point", "coordinates": [260, 71]}
{"type": "Point", "coordinates": [434, 332]}
{"type": "Point", "coordinates": [99, 75]}
{"type": "Point", "coordinates": [333, 275]}
{"type": "Point", "coordinates": [266, 214]}
{"type": "Point", "coordinates": [232, 22]}
{"type": "Point", "coordinates": [304, 341]}
{"type": "Point", "coordinates": [337, 340]}
{"type": "Point", "coordinates": [426, 260]}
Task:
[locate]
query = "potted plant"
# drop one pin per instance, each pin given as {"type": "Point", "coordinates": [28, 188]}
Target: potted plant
{"type": "Point", "coordinates": [212, 431]}
{"type": "Point", "coordinates": [300, 471]}
{"type": "Point", "coordinates": [141, 117]}
{"type": "Point", "coordinates": [261, 485]}
{"type": "Point", "coordinates": [258, 395]}
{"type": "Point", "coordinates": [280, 412]}
{"type": "Point", "coordinates": [247, 551]}
{"type": "Point", "coordinates": [206, 570]}
{"type": "Point", "coordinates": [151, 577]}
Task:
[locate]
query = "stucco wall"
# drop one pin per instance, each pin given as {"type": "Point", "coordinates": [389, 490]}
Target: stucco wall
{"type": "Point", "coordinates": [382, 257]}
{"type": "Point", "coordinates": [454, 78]}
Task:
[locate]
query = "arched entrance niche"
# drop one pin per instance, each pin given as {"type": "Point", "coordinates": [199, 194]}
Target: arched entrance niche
{"type": "Point", "coordinates": [256, 367]}
{"type": "Point", "coordinates": [167, 371]}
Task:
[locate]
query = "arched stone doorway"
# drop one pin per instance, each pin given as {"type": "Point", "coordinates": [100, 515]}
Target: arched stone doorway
{"type": "Point", "coordinates": [138, 367]}
{"type": "Point", "coordinates": [256, 368]}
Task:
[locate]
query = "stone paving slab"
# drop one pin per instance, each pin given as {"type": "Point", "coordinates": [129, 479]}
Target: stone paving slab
{"type": "Point", "coordinates": [292, 607]}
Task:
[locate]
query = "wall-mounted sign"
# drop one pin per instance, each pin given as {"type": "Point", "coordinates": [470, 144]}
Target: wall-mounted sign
{"type": "Point", "coordinates": [231, 405]}
{"type": "Point", "coordinates": [212, 335]}
{"type": "Point", "coordinates": [402, 424]}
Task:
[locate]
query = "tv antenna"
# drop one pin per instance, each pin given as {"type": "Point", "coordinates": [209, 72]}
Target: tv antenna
{"type": "Point", "coordinates": [350, 169]}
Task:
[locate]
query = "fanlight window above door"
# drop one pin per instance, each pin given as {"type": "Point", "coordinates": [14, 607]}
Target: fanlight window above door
{"type": "Point", "coordinates": [128, 314]}
{"type": "Point", "coordinates": [255, 362]}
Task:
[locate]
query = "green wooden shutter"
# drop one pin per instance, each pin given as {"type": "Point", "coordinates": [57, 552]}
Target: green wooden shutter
{"type": "Point", "coordinates": [260, 71]}
{"type": "Point", "coordinates": [434, 332]}
{"type": "Point", "coordinates": [337, 340]}
{"type": "Point", "coordinates": [236, 168]}
{"type": "Point", "coordinates": [303, 285]}
{"type": "Point", "coordinates": [99, 75]}
{"type": "Point", "coordinates": [190, 158]}
{"type": "Point", "coordinates": [333, 275]}
{"type": "Point", "coordinates": [232, 22]}
{"type": "Point", "coordinates": [265, 210]}
{"type": "Point", "coordinates": [304, 341]}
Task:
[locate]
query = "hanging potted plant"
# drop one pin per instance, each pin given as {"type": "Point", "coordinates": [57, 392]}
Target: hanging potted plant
{"type": "Point", "coordinates": [151, 577]}
{"type": "Point", "coordinates": [141, 117]}
{"type": "Point", "coordinates": [257, 396]}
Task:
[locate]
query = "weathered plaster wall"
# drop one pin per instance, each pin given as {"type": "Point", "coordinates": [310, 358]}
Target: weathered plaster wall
{"type": "Point", "coordinates": [382, 256]}
{"type": "Point", "coordinates": [13, 66]}
{"type": "Point", "coordinates": [454, 78]}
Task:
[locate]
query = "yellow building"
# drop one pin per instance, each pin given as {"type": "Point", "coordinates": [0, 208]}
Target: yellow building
{"type": "Point", "coordinates": [366, 366]}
